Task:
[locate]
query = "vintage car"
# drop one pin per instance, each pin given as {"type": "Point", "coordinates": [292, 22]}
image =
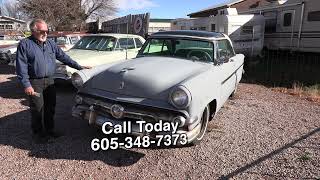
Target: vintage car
{"type": "Point", "coordinates": [178, 76]}
{"type": "Point", "coordinates": [8, 47]}
{"type": "Point", "coordinates": [98, 49]}
{"type": "Point", "coordinates": [7, 52]}
{"type": "Point", "coordinates": [65, 40]}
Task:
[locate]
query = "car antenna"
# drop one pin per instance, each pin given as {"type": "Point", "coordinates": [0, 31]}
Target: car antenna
{"type": "Point", "coordinates": [127, 40]}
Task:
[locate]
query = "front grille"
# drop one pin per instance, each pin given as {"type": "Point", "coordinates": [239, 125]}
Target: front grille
{"type": "Point", "coordinates": [132, 111]}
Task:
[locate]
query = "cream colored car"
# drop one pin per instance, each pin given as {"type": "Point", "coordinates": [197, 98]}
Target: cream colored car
{"type": "Point", "coordinates": [98, 49]}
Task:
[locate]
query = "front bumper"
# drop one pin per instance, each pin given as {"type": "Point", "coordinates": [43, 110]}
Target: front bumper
{"type": "Point", "coordinates": [97, 114]}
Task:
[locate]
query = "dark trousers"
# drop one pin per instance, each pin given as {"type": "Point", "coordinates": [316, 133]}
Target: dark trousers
{"type": "Point", "coordinates": [42, 107]}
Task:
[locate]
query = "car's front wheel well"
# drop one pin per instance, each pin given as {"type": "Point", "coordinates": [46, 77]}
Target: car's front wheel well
{"type": "Point", "coordinates": [213, 108]}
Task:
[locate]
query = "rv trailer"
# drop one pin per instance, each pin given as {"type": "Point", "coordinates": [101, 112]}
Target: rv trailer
{"type": "Point", "coordinates": [245, 31]}
{"type": "Point", "coordinates": [291, 25]}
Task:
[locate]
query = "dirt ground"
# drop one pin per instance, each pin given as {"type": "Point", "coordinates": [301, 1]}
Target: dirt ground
{"type": "Point", "coordinates": [261, 134]}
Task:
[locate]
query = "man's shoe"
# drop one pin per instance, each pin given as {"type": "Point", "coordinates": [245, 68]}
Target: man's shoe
{"type": "Point", "coordinates": [54, 134]}
{"type": "Point", "coordinates": [40, 138]}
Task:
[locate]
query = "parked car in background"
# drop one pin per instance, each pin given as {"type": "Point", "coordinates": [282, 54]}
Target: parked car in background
{"type": "Point", "coordinates": [8, 47]}
{"type": "Point", "coordinates": [98, 49]}
{"type": "Point", "coordinates": [7, 52]}
{"type": "Point", "coordinates": [183, 77]}
{"type": "Point", "coordinates": [65, 40]}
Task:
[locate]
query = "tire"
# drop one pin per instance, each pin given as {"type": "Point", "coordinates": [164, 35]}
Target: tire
{"type": "Point", "coordinates": [204, 124]}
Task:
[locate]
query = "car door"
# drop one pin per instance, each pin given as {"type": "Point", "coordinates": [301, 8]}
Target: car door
{"type": "Point", "coordinates": [225, 55]}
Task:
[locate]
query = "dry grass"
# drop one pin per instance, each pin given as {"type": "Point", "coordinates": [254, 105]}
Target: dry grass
{"type": "Point", "coordinates": [311, 93]}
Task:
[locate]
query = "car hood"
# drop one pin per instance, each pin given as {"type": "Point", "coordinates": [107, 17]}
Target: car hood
{"type": "Point", "coordinates": [147, 77]}
{"type": "Point", "coordinates": [12, 48]}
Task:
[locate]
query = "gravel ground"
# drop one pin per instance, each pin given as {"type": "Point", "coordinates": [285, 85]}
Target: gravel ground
{"type": "Point", "coordinates": [261, 134]}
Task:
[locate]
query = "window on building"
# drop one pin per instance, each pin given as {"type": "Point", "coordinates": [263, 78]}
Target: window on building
{"type": "Point", "coordinates": [247, 30]}
{"type": "Point", "coordinates": [314, 16]}
{"type": "Point", "coordinates": [287, 18]}
{"type": "Point", "coordinates": [202, 28]}
{"type": "Point", "coordinates": [1, 26]}
{"type": "Point", "coordinates": [213, 27]}
{"type": "Point", "coordinates": [8, 26]}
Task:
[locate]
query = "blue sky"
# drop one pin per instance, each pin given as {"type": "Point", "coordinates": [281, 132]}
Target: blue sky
{"type": "Point", "coordinates": [164, 8]}
{"type": "Point", "coordinates": [161, 8]}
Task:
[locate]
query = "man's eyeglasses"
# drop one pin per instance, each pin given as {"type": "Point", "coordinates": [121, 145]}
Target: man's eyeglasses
{"type": "Point", "coordinates": [42, 31]}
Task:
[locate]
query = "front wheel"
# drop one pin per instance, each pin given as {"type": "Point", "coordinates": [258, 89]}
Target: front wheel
{"type": "Point", "coordinates": [203, 125]}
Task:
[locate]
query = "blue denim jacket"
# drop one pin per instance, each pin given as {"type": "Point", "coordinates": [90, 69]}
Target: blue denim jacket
{"type": "Point", "coordinates": [35, 60]}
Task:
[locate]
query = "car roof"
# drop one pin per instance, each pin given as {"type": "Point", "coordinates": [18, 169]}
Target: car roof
{"type": "Point", "coordinates": [115, 35]}
{"type": "Point", "coordinates": [190, 34]}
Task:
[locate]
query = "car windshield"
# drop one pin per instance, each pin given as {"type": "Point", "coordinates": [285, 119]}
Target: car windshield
{"type": "Point", "coordinates": [74, 39]}
{"type": "Point", "coordinates": [197, 50]}
{"type": "Point", "coordinates": [101, 43]}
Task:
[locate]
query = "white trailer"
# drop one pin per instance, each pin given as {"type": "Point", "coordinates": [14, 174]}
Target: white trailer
{"type": "Point", "coordinates": [245, 31]}
{"type": "Point", "coordinates": [291, 25]}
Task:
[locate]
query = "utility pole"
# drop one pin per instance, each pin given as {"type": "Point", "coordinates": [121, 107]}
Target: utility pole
{"type": "Point", "coordinates": [1, 7]}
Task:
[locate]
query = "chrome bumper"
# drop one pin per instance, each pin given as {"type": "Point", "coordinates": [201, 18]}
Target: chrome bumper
{"type": "Point", "coordinates": [93, 118]}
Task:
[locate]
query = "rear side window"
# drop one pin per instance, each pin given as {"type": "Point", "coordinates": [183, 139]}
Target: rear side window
{"type": "Point", "coordinates": [126, 43]}
{"type": "Point", "coordinates": [138, 42]}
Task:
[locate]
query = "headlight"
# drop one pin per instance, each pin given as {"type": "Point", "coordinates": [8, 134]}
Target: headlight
{"type": "Point", "coordinates": [180, 97]}
{"type": "Point", "coordinates": [76, 80]}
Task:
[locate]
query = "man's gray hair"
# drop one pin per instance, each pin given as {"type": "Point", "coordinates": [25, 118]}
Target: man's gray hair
{"type": "Point", "coordinates": [33, 23]}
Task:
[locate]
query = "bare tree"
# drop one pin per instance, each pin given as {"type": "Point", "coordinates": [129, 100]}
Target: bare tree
{"type": "Point", "coordinates": [64, 14]}
{"type": "Point", "coordinates": [10, 9]}
{"type": "Point", "coordinates": [97, 8]}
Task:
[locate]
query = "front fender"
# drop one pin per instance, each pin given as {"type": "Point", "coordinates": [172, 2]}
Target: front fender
{"type": "Point", "coordinates": [204, 88]}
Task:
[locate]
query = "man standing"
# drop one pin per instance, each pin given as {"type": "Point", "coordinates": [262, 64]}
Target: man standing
{"type": "Point", "coordinates": [36, 64]}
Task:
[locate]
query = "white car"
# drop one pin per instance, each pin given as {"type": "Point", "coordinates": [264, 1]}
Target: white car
{"type": "Point", "coordinates": [8, 49]}
{"type": "Point", "coordinates": [98, 49]}
{"type": "Point", "coordinates": [178, 77]}
{"type": "Point", "coordinates": [65, 40]}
